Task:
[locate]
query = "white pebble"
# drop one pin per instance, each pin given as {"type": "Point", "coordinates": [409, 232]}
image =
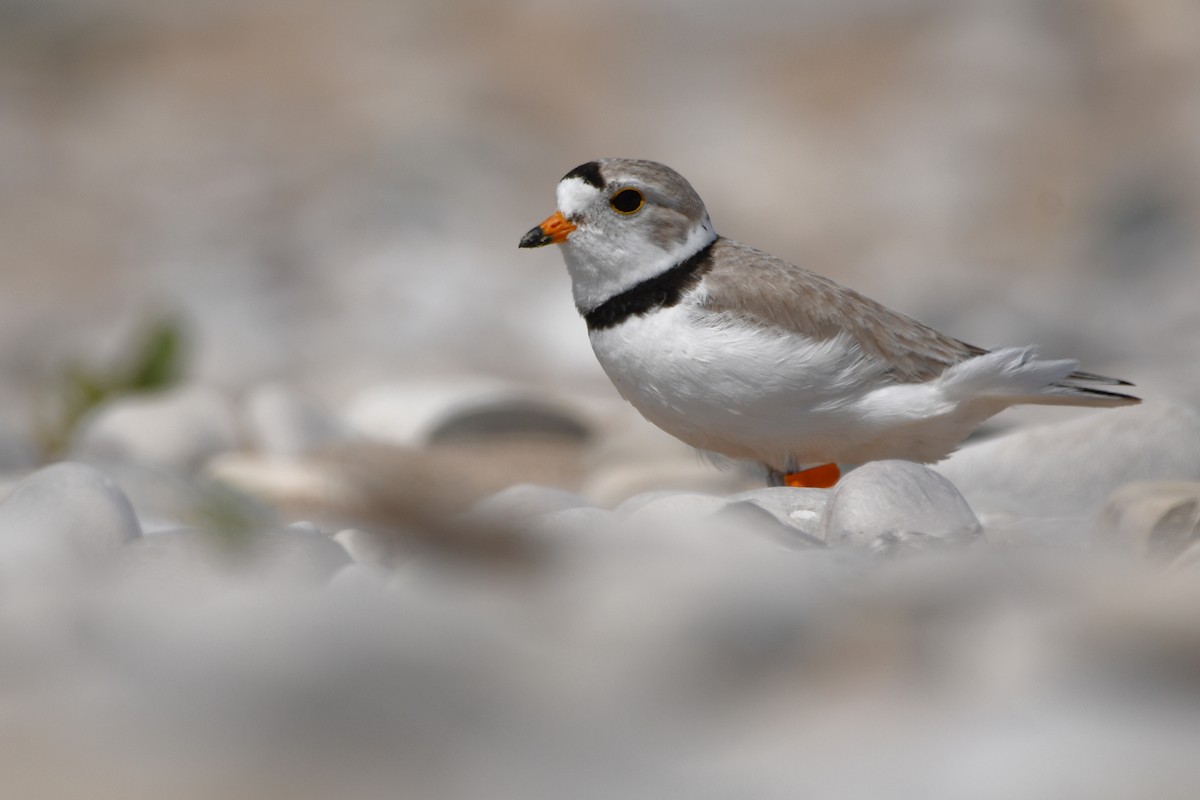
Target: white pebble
{"type": "Point", "coordinates": [364, 547]}
{"type": "Point", "coordinates": [62, 510]}
{"type": "Point", "coordinates": [180, 429]}
{"type": "Point", "coordinates": [299, 555]}
{"type": "Point", "coordinates": [1066, 471]}
{"type": "Point", "coordinates": [889, 505]}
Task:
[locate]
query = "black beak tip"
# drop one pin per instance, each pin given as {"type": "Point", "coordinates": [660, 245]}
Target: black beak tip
{"type": "Point", "coordinates": [536, 237]}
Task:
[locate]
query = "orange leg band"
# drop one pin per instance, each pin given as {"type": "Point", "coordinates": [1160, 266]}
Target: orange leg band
{"type": "Point", "coordinates": [821, 477]}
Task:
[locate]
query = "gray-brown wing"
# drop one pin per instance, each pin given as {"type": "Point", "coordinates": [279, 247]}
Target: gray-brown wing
{"type": "Point", "coordinates": [770, 291]}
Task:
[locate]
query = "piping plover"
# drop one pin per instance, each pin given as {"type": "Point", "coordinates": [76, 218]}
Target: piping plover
{"type": "Point", "coordinates": [739, 353]}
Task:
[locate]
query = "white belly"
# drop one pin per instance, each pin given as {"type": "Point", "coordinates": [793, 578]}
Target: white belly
{"type": "Point", "coordinates": [745, 392]}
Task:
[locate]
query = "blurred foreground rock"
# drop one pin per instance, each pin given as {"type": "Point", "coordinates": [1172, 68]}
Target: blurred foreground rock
{"type": "Point", "coordinates": [63, 512]}
{"type": "Point", "coordinates": [179, 429]}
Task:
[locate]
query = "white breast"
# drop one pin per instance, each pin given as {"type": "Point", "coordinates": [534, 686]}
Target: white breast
{"type": "Point", "coordinates": [723, 385]}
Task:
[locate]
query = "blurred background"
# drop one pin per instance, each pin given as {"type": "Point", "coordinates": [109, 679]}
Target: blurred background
{"type": "Point", "coordinates": [303, 216]}
{"type": "Point", "coordinates": [331, 193]}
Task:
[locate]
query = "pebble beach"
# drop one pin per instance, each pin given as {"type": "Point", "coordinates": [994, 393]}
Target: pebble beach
{"type": "Point", "coordinates": [311, 487]}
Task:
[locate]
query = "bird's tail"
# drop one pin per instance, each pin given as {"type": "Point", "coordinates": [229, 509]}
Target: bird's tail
{"type": "Point", "coordinates": [1016, 375]}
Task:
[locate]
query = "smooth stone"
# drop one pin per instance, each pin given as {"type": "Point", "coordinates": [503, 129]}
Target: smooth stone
{"type": "Point", "coordinates": [165, 499]}
{"type": "Point", "coordinates": [179, 558]}
{"type": "Point", "coordinates": [1157, 520]}
{"type": "Point", "coordinates": [181, 429]}
{"type": "Point", "coordinates": [668, 507]}
{"type": "Point", "coordinates": [698, 529]}
{"type": "Point", "coordinates": [747, 516]}
{"type": "Point", "coordinates": [671, 499]}
{"type": "Point", "coordinates": [363, 546]}
{"type": "Point", "coordinates": [525, 500]}
{"type": "Point", "coordinates": [286, 555]}
{"type": "Point", "coordinates": [801, 509]}
{"type": "Point", "coordinates": [570, 523]}
{"type": "Point", "coordinates": [281, 421]}
{"type": "Point", "coordinates": [299, 555]}
{"type": "Point", "coordinates": [358, 578]}
{"type": "Point", "coordinates": [413, 413]}
{"type": "Point", "coordinates": [65, 508]}
{"type": "Point", "coordinates": [886, 506]}
{"type": "Point", "coordinates": [516, 415]}
{"type": "Point", "coordinates": [1066, 471]}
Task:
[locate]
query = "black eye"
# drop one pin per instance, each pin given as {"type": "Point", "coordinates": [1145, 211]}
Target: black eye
{"type": "Point", "coordinates": [627, 201]}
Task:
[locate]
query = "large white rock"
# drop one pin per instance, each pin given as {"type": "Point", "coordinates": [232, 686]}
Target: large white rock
{"type": "Point", "coordinates": [1064, 472]}
{"type": "Point", "coordinates": [281, 421]}
{"type": "Point", "coordinates": [181, 428]}
{"type": "Point", "coordinates": [64, 510]}
{"type": "Point", "coordinates": [885, 506]}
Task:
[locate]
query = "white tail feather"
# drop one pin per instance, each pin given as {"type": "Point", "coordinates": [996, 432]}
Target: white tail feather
{"type": "Point", "coordinates": [1017, 375]}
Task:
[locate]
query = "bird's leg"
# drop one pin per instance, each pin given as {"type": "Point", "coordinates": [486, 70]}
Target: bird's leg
{"type": "Point", "coordinates": [821, 477]}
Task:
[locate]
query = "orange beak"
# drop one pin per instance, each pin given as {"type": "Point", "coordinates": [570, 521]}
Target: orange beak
{"type": "Point", "coordinates": [553, 230]}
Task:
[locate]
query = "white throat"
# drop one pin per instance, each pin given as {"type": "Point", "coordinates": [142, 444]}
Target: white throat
{"type": "Point", "coordinates": [600, 268]}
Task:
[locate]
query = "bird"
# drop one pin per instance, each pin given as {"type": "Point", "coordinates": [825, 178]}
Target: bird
{"type": "Point", "coordinates": [745, 355]}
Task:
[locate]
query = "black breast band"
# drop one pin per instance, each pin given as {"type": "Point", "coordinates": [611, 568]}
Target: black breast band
{"type": "Point", "coordinates": [663, 290]}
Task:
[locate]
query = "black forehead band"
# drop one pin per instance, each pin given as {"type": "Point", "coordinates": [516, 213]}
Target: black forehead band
{"type": "Point", "coordinates": [589, 173]}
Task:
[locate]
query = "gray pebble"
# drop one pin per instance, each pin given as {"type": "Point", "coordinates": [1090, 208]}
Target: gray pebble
{"type": "Point", "coordinates": [516, 415]}
{"type": "Point", "coordinates": [886, 506]}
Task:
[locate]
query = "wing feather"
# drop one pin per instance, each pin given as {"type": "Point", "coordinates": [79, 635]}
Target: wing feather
{"type": "Point", "coordinates": [771, 292]}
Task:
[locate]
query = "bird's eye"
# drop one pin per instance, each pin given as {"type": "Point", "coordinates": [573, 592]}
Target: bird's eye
{"type": "Point", "coordinates": [627, 201]}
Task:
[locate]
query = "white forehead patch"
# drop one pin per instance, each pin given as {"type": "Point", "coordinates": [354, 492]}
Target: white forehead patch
{"type": "Point", "coordinates": [574, 195]}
